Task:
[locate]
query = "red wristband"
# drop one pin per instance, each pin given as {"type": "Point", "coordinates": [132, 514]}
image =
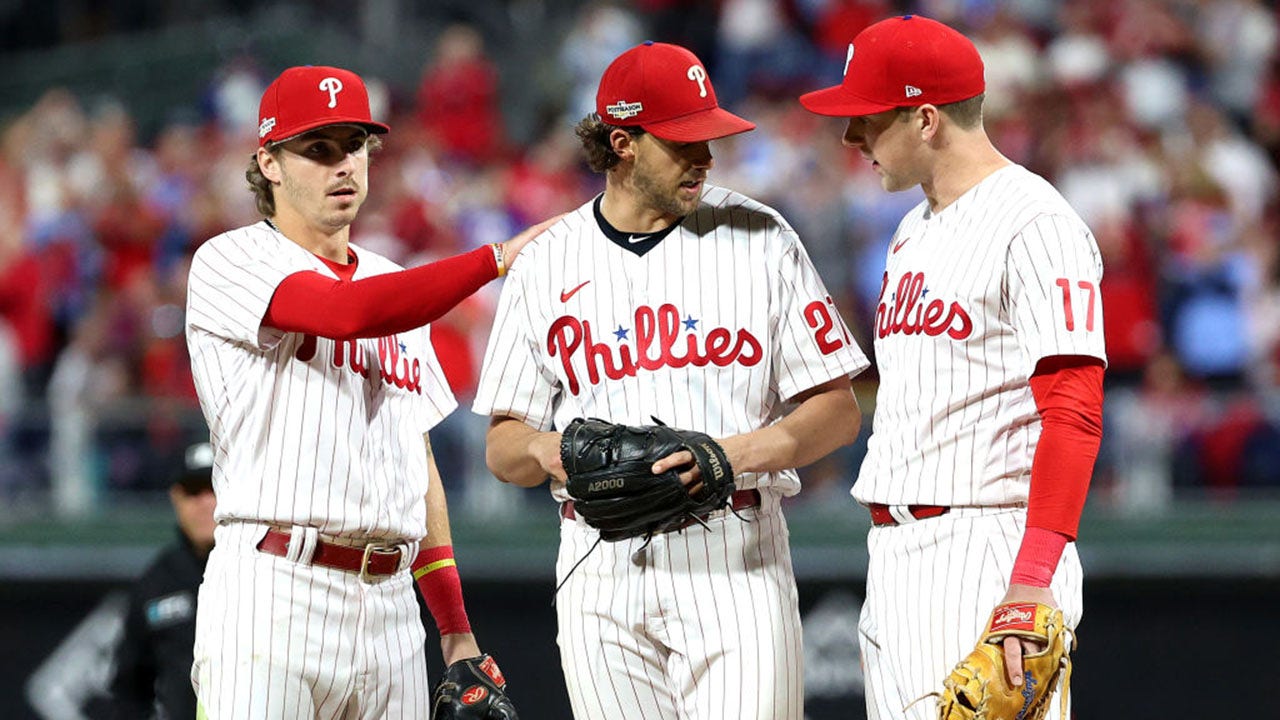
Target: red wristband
{"type": "Point", "coordinates": [437, 576]}
{"type": "Point", "coordinates": [1037, 557]}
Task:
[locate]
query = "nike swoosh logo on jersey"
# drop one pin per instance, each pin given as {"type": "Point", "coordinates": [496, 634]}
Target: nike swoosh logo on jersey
{"type": "Point", "coordinates": [566, 294]}
{"type": "Point", "coordinates": [633, 239]}
{"type": "Point", "coordinates": [898, 245]}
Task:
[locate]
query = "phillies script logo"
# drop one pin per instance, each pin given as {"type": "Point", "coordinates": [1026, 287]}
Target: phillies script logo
{"type": "Point", "coordinates": [395, 366]}
{"type": "Point", "coordinates": [658, 343]}
{"type": "Point", "coordinates": [908, 314]}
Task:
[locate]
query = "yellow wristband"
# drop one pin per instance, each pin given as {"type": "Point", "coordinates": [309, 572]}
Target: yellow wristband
{"type": "Point", "coordinates": [432, 567]}
{"type": "Point", "coordinates": [497, 258]}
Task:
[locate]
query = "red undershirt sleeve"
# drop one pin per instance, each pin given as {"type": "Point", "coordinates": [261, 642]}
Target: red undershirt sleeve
{"type": "Point", "coordinates": [1068, 394]}
{"type": "Point", "coordinates": [311, 303]}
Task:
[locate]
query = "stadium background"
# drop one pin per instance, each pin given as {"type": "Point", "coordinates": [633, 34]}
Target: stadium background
{"type": "Point", "coordinates": [125, 128]}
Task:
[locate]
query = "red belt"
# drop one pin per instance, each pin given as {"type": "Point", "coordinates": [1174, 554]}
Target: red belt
{"type": "Point", "coordinates": [880, 514]}
{"type": "Point", "coordinates": [740, 500]}
{"type": "Point", "coordinates": [372, 560]}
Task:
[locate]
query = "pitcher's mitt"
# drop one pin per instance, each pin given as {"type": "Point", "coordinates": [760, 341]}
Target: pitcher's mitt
{"type": "Point", "coordinates": [613, 486]}
{"type": "Point", "coordinates": [978, 688]}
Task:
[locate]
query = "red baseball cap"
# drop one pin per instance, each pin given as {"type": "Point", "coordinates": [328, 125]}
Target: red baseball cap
{"type": "Point", "coordinates": [307, 97]}
{"type": "Point", "coordinates": [904, 61]}
{"type": "Point", "coordinates": [665, 90]}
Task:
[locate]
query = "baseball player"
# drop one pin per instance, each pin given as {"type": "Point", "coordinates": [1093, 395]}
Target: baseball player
{"type": "Point", "coordinates": [315, 372]}
{"type": "Point", "coordinates": [988, 338]}
{"type": "Point", "coordinates": [668, 298]}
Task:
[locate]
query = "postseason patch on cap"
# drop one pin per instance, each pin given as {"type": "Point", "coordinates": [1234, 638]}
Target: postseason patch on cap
{"type": "Point", "coordinates": [623, 109]}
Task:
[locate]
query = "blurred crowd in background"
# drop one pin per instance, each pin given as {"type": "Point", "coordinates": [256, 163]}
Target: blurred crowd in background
{"type": "Point", "coordinates": [1159, 120]}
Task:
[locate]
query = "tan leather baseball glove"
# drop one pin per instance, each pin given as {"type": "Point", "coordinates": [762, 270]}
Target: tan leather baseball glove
{"type": "Point", "coordinates": [978, 688]}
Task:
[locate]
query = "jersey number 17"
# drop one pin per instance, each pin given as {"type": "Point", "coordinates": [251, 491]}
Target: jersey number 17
{"type": "Point", "coordinates": [1086, 288]}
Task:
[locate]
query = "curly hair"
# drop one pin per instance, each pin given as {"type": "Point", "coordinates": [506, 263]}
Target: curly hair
{"type": "Point", "coordinates": [594, 133]}
{"type": "Point", "coordinates": [264, 193]}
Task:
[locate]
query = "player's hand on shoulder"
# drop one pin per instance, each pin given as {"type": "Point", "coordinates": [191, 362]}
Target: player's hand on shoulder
{"type": "Point", "coordinates": [472, 688]}
{"type": "Point", "coordinates": [512, 247]}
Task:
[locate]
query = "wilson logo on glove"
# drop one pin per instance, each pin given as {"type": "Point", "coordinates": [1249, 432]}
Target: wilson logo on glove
{"type": "Point", "coordinates": [717, 470]}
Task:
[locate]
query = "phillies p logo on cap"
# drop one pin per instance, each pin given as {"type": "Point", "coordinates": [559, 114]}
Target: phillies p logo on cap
{"type": "Point", "coordinates": [311, 96]}
{"type": "Point", "coordinates": [665, 90]}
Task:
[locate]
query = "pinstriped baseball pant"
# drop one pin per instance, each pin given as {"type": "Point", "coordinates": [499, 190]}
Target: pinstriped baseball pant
{"type": "Point", "coordinates": [931, 585]}
{"type": "Point", "coordinates": [703, 624]}
{"type": "Point", "coordinates": [283, 640]}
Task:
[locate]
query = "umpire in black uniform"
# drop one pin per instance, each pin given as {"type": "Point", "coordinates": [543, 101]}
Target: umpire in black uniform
{"type": "Point", "coordinates": [153, 660]}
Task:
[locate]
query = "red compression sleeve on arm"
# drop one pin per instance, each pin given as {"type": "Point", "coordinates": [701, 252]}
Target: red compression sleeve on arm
{"type": "Point", "coordinates": [308, 302]}
{"type": "Point", "coordinates": [1038, 557]}
{"type": "Point", "coordinates": [1068, 394]}
{"type": "Point", "coordinates": [436, 573]}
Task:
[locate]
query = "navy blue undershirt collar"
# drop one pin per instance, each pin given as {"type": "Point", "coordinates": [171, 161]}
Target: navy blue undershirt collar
{"type": "Point", "coordinates": [638, 243]}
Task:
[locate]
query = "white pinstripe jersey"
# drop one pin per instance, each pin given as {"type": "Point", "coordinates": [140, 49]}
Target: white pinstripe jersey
{"type": "Point", "coordinates": [710, 329]}
{"type": "Point", "coordinates": [973, 297]}
{"type": "Point", "coordinates": [307, 430]}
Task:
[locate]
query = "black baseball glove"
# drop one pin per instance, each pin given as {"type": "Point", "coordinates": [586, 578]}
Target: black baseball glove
{"type": "Point", "coordinates": [615, 490]}
{"type": "Point", "coordinates": [472, 689]}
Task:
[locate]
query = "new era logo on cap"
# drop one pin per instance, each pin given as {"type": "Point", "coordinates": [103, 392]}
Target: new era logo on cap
{"type": "Point", "coordinates": [666, 91]}
{"type": "Point", "coordinates": [312, 96]}
{"type": "Point", "coordinates": [903, 61]}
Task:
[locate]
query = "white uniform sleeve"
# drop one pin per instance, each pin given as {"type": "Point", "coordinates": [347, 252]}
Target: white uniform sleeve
{"type": "Point", "coordinates": [813, 345]}
{"type": "Point", "coordinates": [1053, 275]}
{"type": "Point", "coordinates": [513, 379]}
{"type": "Point", "coordinates": [231, 284]}
{"type": "Point", "coordinates": [438, 400]}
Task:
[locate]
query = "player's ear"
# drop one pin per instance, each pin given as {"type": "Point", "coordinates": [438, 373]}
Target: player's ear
{"type": "Point", "coordinates": [926, 120]}
{"type": "Point", "coordinates": [269, 164]}
{"type": "Point", "coordinates": [623, 144]}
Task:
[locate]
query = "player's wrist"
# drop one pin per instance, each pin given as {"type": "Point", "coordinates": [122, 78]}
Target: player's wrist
{"type": "Point", "coordinates": [436, 572]}
{"type": "Point", "coordinates": [1038, 557]}
{"type": "Point", "coordinates": [458, 646]}
{"type": "Point", "coordinates": [500, 257]}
